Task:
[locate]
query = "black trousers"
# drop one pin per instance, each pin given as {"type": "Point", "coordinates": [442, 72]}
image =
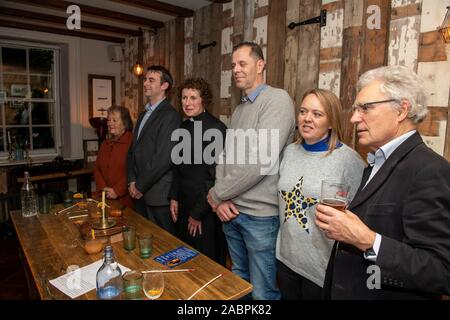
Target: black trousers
{"type": "Point", "coordinates": [211, 242]}
{"type": "Point", "coordinates": [295, 287]}
{"type": "Point", "coordinates": [159, 215]}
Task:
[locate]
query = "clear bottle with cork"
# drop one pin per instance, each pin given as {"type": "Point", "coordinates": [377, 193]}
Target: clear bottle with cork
{"type": "Point", "coordinates": [28, 197]}
{"type": "Point", "coordinates": [109, 277]}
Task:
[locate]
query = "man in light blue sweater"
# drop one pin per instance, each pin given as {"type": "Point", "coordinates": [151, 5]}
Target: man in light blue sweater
{"type": "Point", "coordinates": [245, 192]}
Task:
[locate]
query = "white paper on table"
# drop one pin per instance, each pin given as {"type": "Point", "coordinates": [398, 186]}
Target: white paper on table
{"type": "Point", "coordinates": [80, 281]}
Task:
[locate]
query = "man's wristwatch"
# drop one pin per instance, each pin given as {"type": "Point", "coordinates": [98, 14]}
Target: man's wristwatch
{"type": "Point", "coordinates": [370, 253]}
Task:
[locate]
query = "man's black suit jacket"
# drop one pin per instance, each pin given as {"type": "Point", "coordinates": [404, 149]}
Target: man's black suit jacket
{"type": "Point", "coordinates": [408, 203]}
{"type": "Point", "coordinates": [149, 157]}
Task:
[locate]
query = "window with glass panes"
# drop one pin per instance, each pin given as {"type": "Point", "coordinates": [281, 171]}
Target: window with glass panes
{"type": "Point", "coordinates": [28, 98]}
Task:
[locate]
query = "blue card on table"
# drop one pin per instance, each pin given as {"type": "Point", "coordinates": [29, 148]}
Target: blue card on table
{"type": "Point", "coordinates": [176, 256]}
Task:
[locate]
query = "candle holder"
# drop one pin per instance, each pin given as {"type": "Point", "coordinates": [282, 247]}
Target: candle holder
{"type": "Point", "coordinates": [104, 222]}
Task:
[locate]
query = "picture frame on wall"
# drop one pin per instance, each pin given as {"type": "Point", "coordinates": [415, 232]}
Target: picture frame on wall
{"type": "Point", "coordinates": [90, 149]}
{"type": "Point", "coordinates": [19, 90]}
{"type": "Point", "coordinates": [102, 94]}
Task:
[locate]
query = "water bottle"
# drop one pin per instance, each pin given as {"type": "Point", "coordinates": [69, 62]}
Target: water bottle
{"type": "Point", "coordinates": [28, 198]}
{"type": "Point", "coordinates": [109, 277]}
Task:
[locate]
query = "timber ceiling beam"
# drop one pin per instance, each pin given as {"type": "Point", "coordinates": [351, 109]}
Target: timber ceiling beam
{"type": "Point", "coordinates": [10, 12]}
{"type": "Point", "coordinates": [94, 11]}
{"type": "Point", "coordinates": [160, 7]}
{"type": "Point", "coordinates": [35, 27]}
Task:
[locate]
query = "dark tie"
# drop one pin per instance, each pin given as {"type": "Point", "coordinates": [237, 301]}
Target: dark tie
{"type": "Point", "coordinates": [365, 177]}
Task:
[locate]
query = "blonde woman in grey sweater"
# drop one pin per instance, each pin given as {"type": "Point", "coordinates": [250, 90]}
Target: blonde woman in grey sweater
{"type": "Point", "coordinates": [302, 249]}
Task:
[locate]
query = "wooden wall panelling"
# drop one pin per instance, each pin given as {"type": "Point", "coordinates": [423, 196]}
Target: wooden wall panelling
{"type": "Point", "coordinates": [447, 133]}
{"type": "Point", "coordinates": [226, 74]}
{"type": "Point", "coordinates": [404, 33]}
{"type": "Point", "coordinates": [249, 17]}
{"type": "Point", "coordinates": [276, 40]}
{"type": "Point", "coordinates": [215, 52]}
{"type": "Point", "coordinates": [207, 63]}
{"type": "Point", "coordinates": [351, 55]}
{"type": "Point", "coordinates": [307, 75]}
{"type": "Point", "coordinates": [179, 50]}
{"type": "Point", "coordinates": [431, 126]}
{"type": "Point", "coordinates": [188, 46]}
{"type": "Point", "coordinates": [375, 35]}
{"type": "Point", "coordinates": [331, 47]}
{"type": "Point", "coordinates": [432, 47]}
{"type": "Point", "coordinates": [238, 36]}
{"type": "Point", "coordinates": [291, 48]}
{"type": "Point", "coordinates": [435, 74]}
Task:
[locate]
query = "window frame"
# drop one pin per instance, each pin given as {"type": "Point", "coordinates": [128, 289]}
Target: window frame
{"type": "Point", "coordinates": [48, 153]}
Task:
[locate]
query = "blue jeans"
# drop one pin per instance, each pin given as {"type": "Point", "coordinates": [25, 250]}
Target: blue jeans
{"type": "Point", "coordinates": [251, 242]}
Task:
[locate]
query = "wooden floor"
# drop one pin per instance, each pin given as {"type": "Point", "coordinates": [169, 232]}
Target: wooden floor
{"type": "Point", "coordinates": [12, 277]}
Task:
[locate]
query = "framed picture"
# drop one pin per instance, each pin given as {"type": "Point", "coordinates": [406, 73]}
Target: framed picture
{"type": "Point", "coordinates": [90, 148]}
{"type": "Point", "coordinates": [102, 94]}
{"type": "Point", "coordinates": [19, 90]}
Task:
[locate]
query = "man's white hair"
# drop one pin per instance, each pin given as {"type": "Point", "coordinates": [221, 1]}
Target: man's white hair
{"type": "Point", "coordinates": [400, 83]}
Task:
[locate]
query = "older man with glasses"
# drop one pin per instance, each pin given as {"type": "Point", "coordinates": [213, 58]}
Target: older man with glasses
{"type": "Point", "coordinates": [393, 242]}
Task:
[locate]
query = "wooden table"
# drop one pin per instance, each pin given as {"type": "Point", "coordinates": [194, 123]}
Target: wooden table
{"type": "Point", "coordinates": [50, 243]}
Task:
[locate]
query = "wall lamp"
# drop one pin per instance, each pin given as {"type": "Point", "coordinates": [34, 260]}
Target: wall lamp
{"type": "Point", "coordinates": [322, 19]}
{"type": "Point", "coordinates": [138, 70]}
{"type": "Point", "coordinates": [200, 47]}
{"type": "Point", "coordinates": [445, 27]}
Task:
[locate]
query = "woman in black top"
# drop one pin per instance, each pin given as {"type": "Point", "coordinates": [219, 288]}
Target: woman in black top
{"type": "Point", "coordinates": [203, 137]}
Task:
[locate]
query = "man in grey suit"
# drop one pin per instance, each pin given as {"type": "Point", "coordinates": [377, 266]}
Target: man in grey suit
{"type": "Point", "coordinates": [149, 158]}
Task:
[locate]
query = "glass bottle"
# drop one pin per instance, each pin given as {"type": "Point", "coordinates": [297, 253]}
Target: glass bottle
{"type": "Point", "coordinates": [28, 198]}
{"type": "Point", "coordinates": [109, 277]}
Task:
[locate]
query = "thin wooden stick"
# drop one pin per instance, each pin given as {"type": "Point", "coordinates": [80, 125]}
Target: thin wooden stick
{"type": "Point", "coordinates": [164, 271]}
{"type": "Point", "coordinates": [79, 216]}
{"type": "Point", "coordinates": [204, 286]}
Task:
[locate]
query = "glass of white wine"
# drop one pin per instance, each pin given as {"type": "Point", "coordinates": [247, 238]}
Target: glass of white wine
{"type": "Point", "coordinates": [153, 284]}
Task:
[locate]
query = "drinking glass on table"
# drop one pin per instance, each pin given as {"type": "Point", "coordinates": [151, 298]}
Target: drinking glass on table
{"type": "Point", "coordinates": [334, 194]}
{"type": "Point", "coordinates": [129, 237]}
{"type": "Point", "coordinates": [153, 284]}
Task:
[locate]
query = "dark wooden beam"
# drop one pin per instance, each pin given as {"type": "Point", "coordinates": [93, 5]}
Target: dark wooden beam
{"type": "Point", "coordinates": [34, 27]}
{"type": "Point", "coordinates": [94, 11]}
{"type": "Point", "coordinates": [276, 43]}
{"type": "Point", "coordinates": [160, 7]}
{"type": "Point", "coordinates": [351, 57]}
{"type": "Point", "coordinates": [62, 21]}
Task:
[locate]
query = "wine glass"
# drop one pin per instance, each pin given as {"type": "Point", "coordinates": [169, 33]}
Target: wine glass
{"type": "Point", "coordinates": [153, 284]}
{"type": "Point", "coordinates": [334, 194]}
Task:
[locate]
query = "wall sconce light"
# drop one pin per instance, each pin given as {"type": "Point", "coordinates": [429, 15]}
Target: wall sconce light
{"type": "Point", "coordinates": [445, 27]}
{"type": "Point", "coordinates": [138, 70]}
{"type": "Point", "coordinates": [322, 19]}
{"type": "Point", "coordinates": [200, 47]}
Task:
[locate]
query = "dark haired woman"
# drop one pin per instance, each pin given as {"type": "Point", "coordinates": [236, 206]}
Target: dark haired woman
{"type": "Point", "coordinates": [110, 171]}
{"type": "Point", "coordinates": [194, 175]}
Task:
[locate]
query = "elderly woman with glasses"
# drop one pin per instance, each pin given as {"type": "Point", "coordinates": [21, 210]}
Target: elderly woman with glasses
{"type": "Point", "coordinates": [110, 167]}
{"type": "Point", "coordinates": [303, 250]}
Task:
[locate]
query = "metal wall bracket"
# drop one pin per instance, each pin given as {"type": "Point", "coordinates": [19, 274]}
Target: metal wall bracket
{"type": "Point", "coordinates": [200, 47]}
{"type": "Point", "coordinates": [322, 19]}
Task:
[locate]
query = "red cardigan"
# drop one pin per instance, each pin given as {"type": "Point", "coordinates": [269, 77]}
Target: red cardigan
{"type": "Point", "coordinates": [111, 167]}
